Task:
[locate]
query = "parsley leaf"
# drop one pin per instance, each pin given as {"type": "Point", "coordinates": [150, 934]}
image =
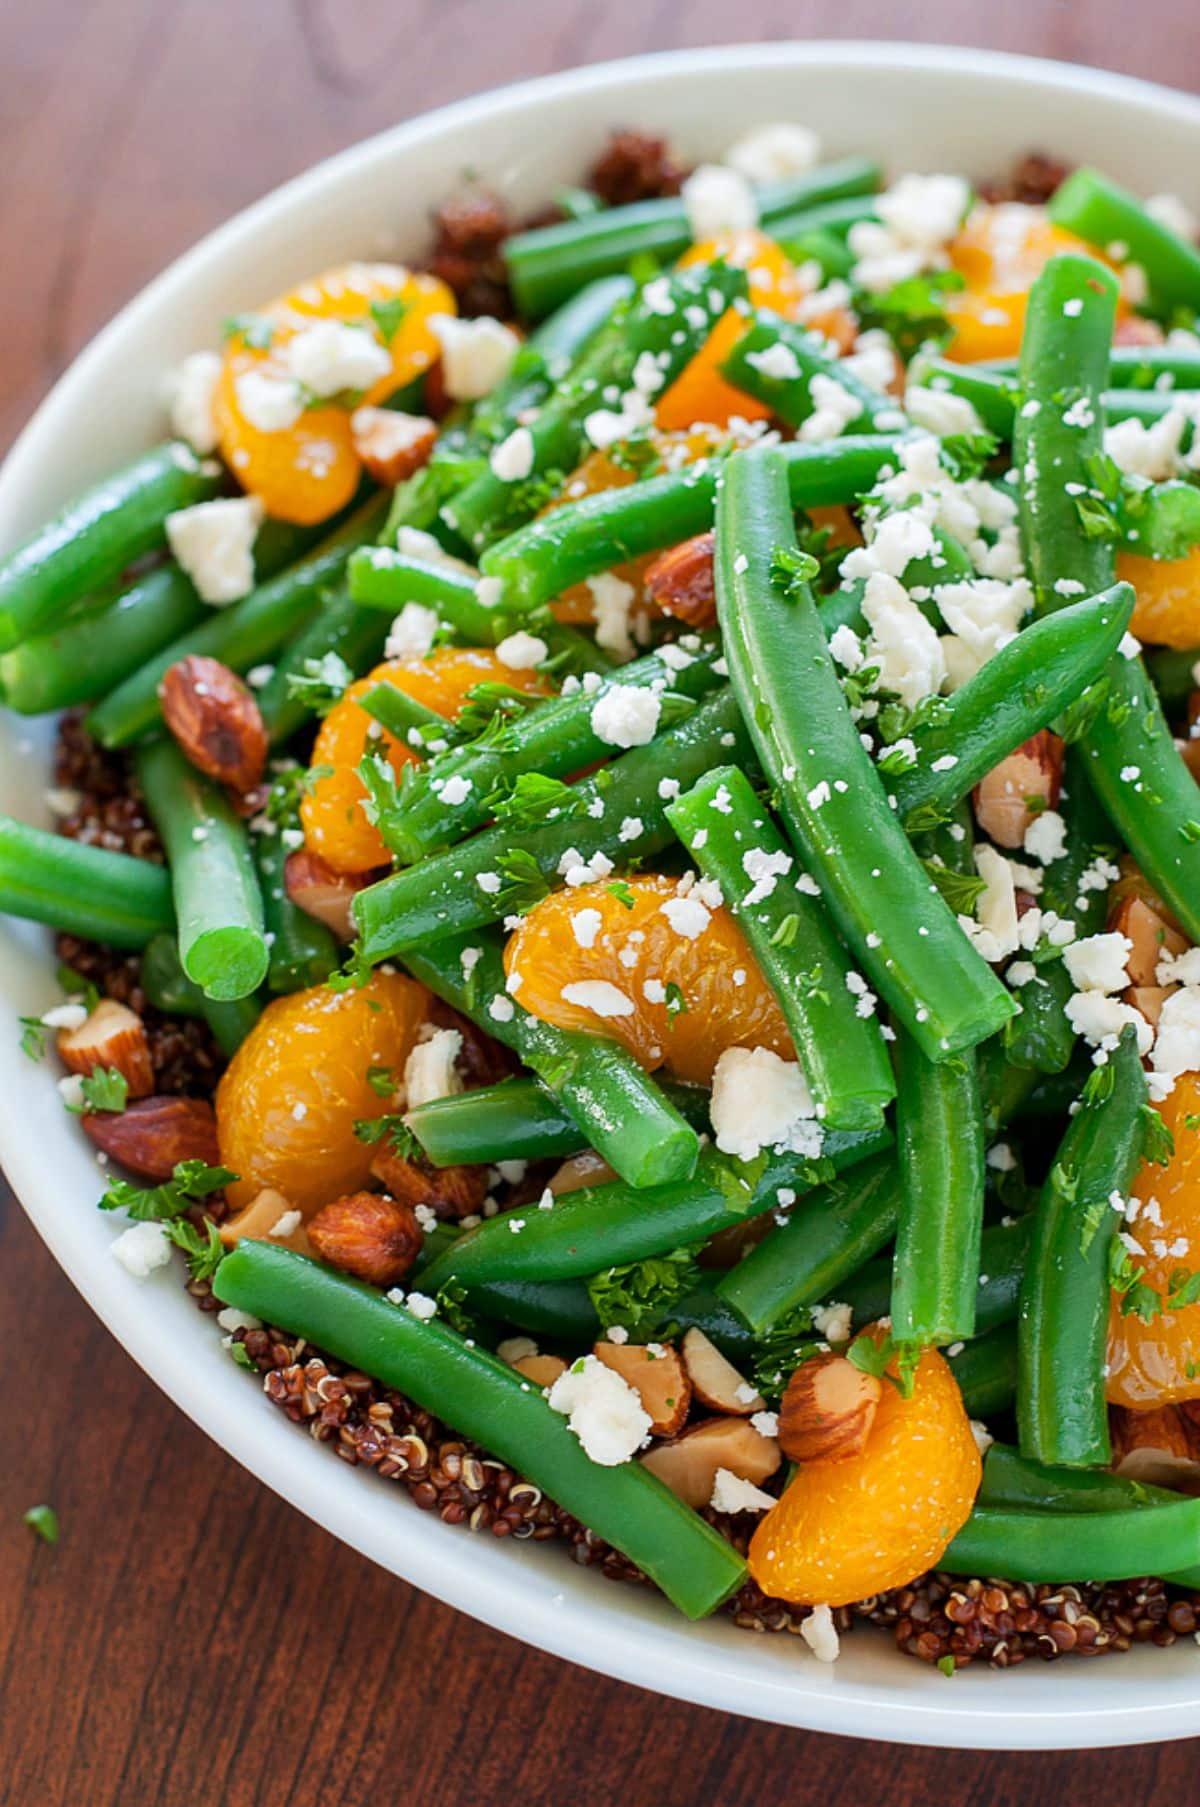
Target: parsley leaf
{"type": "Point", "coordinates": [33, 1037]}
{"type": "Point", "coordinates": [387, 315]}
{"type": "Point", "coordinates": [524, 884]}
{"type": "Point", "coordinates": [320, 683]}
{"type": "Point", "coordinates": [641, 1294]}
{"type": "Point", "coordinates": [792, 571]}
{"type": "Point", "coordinates": [190, 1181]}
{"type": "Point", "coordinates": [531, 798]}
{"type": "Point", "coordinates": [354, 973]}
{"type": "Point", "coordinates": [391, 1128]}
{"type": "Point", "coordinates": [43, 1522]}
{"type": "Point", "coordinates": [204, 1252]}
{"type": "Point", "coordinates": [961, 890]}
{"type": "Point", "coordinates": [105, 1089]}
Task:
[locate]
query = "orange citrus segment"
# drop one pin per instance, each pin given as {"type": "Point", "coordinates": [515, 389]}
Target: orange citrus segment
{"type": "Point", "coordinates": [1167, 610]}
{"type": "Point", "coordinates": [305, 469]}
{"type": "Point", "coordinates": [331, 812]}
{"type": "Point", "coordinates": [586, 936]}
{"type": "Point", "coordinates": [1148, 1364]}
{"type": "Point", "coordinates": [999, 251]}
{"type": "Point", "coordinates": [846, 1529]}
{"type": "Point", "coordinates": [291, 1095]}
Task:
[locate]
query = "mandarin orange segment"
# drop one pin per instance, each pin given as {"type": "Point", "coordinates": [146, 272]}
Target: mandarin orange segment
{"type": "Point", "coordinates": [998, 252]}
{"type": "Point", "coordinates": [331, 812]}
{"type": "Point", "coordinates": [585, 935]}
{"type": "Point", "coordinates": [1167, 609]}
{"type": "Point", "coordinates": [700, 392]}
{"type": "Point", "coordinates": [1152, 1364]}
{"type": "Point", "coordinates": [846, 1529]}
{"type": "Point", "coordinates": [290, 1097]}
{"type": "Point", "coordinates": [306, 468]}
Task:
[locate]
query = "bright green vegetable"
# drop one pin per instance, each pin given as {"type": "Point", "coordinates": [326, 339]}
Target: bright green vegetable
{"type": "Point", "coordinates": [986, 1371]}
{"type": "Point", "coordinates": [1002, 1251]}
{"type": "Point", "coordinates": [776, 362]}
{"type": "Point", "coordinates": [168, 988]}
{"type": "Point", "coordinates": [1091, 1546]}
{"type": "Point", "coordinates": [1009, 1479]}
{"type": "Point", "coordinates": [1104, 214]}
{"type": "Point", "coordinates": [381, 578]}
{"type": "Point", "coordinates": [81, 890]}
{"type": "Point", "coordinates": [519, 1120]}
{"type": "Point", "coordinates": [939, 1150]}
{"type": "Point", "coordinates": [303, 950]}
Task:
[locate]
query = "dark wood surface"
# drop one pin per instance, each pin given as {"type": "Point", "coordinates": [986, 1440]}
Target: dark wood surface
{"type": "Point", "coordinates": [192, 1640]}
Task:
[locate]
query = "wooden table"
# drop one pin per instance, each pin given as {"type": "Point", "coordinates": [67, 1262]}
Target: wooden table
{"type": "Point", "coordinates": [192, 1640]}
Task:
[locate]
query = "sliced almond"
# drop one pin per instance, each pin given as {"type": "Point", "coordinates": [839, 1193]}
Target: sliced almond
{"type": "Point", "coordinates": [1033, 771]}
{"type": "Point", "coordinates": [656, 1375]}
{"type": "Point", "coordinates": [375, 1238]}
{"type": "Point", "coordinates": [716, 1382]}
{"type": "Point", "coordinates": [1158, 1447]}
{"type": "Point", "coordinates": [1151, 936]}
{"type": "Point", "coordinates": [688, 1466]}
{"type": "Point", "coordinates": [112, 1036]}
{"type": "Point", "coordinates": [258, 1219]}
{"type": "Point", "coordinates": [151, 1136]}
{"type": "Point", "coordinates": [542, 1370]}
{"type": "Point", "coordinates": [680, 582]}
{"type": "Point", "coordinates": [587, 1168]}
{"type": "Point", "coordinates": [392, 445]}
{"type": "Point", "coordinates": [314, 887]}
{"type": "Point", "coordinates": [828, 1410]}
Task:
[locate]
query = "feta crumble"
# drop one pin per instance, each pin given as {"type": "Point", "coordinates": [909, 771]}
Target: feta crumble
{"type": "Point", "coordinates": [214, 544]}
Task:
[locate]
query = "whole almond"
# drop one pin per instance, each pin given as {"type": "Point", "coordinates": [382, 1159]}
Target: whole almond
{"type": "Point", "coordinates": [1008, 799]}
{"type": "Point", "coordinates": [828, 1410]}
{"type": "Point", "coordinates": [450, 1191]}
{"type": "Point", "coordinates": [112, 1036]}
{"type": "Point", "coordinates": [153, 1135]}
{"type": "Point", "coordinates": [375, 1238]}
{"type": "Point", "coordinates": [680, 582]}
{"type": "Point", "coordinates": [314, 887]}
{"type": "Point", "coordinates": [390, 444]}
{"type": "Point", "coordinates": [215, 720]}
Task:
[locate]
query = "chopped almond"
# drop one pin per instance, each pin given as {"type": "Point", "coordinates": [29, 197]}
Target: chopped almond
{"type": "Point", "coordinates": [656, 1375]}
{"type": "Point", "coordinates": [258, 1221]}
{"type": "Point", "coordinates": [587, 1168]}
{"type": "Point", "coordinates": [1031, 774]}
{"type": "Point", "coordinates": [828, 1410]}
{"type": "Point", "coordinates": [1161, 1447]}
{"type": "Point", "coordinates": [392, 445]}
{"type": "Point", "coordinates": [319, 891]}
{"type": "Point", "coordinates": [715, 1381]}
{"type": "Point", "coordinates": [542, 1370]}
{"type": "Point", "coordinates": [450, 1191]}
{"type": "Point", "coordinates": [151, 1136]}
{"type": "Point", "coordinates": [112, 1036]}
{"type": "Point", "coordinates": [376, 1239]}
{"type": "Point", "coordinates": [688, 1466]}
{"type": "Point", "coordinates": [680, 582]}
{"type": "Point", "coordinates": [1134, 883]}
{"type": "Point", "coordinates": [1151, 934]}
{"type": "Point", "coordinates": [1149, 1000]}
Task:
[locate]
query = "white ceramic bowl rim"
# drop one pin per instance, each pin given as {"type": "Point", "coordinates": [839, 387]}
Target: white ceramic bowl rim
{"type": "Point", "coordinates": [619, 1631]}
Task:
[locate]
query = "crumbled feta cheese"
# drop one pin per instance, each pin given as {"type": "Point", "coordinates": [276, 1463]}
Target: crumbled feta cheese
{"type": "Point", "coordinates": [522, 651]}
{"type": "Point", "coordinates": [820, 1634]}
{"type": "Point", "coordinates": [1000, 1158]}
{"type": "Point", "coordinates": [141, 1248]}
{"type": "Point", "coordinates": [1177, 1043]}
{"type": "Point", "coordinates": [512, 459]}
{"type": "Point", "coordinates": [764, 870]}
{"type": "Point", "coordinates": [329, 356]}
{"type": "Point", "coordinates": [1046, 837]}
{"type": "Point", "coordinates": [718, 199]}
{"type": "Point", "coordinates": [454, 790]}
{"type": "Point", "coordinates": [779, 363]}
{"type": "Point", "coordinates": [430, 1071]}
{"type": "Point", "coordinates": [993, 930]}
{"type": "Point", "coordinates": [1100, 1019]}
{"type": "Point", "coordinates": [834, 409]}
{"type": "Point", "coordinates": [602, 1410]}
{"type": "Point", "coordinates": [1098, 962]}
{"type": "Point", "coordinates": [846, 647]}
{"type": "Point", "coordinates": [901, 643]}
{"type": "Point", "coordinates": [733, 1494]}
{"type": "Point", "coordinates": [984, 613]}
{"type": "Point", "coordinates": [421, 1306]}
{"type": "Point", "coordinates": [767, 153]}
{"type": "Point", "coordinates": [191, 389]}
{"type": "Point", "coordinates": [1169, 211]}
{"type": "Point", "coordinates": [598, 996]}
{"type": "Point", "coordinates": [918, 216]}
{"type": "Point", "coordinates": [269, 402]}
{"type": "Point", "coordinates": [412, 633]}
{"type": "Point", "coordinates": [939, 411]}
{"type": "Point", "coordinates": [1172, 969]}
{"type": "Point", "coordinates": [516, 1349]}
{"type": "Point", "coordinates": [760, 1101]}
{"type": "Point", "coordinates": [214, 543]}
{"type": "Point", "coordinates": [1147, 449]}
{"type": "Point", "coordinates": [982, 1435]}
{"type": "Point", "coordinates": [625, 716]}
{"type": "Point", "coordinates": [833, 1321]}
{"type": "Point", "coordinates": [765, 1423]}
{"type": "Point", "coordinates": [612, 599]}
{"type": "Point", "coordinates": [501, 1009]}
{"type": "Point", "coordinates": [476, 354]}
{"type": "Point", "coordinates": [687, 916]}
{"type": "Point", "coordinates": [388, 432]}
{"type": "Point", "coordinates": [585, 926]}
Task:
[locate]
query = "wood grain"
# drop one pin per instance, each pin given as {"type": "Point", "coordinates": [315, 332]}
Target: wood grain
{"type": "Point", "coordinates": [192, 1640]}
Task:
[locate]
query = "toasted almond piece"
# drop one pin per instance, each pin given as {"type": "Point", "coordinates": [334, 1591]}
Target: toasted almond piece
{"type": "Point", "coordinates": [319, 891]}
{"type": "Point", "coordinates": [1134, 883]}
{"type": "Point", "coordinates": [1159, 1447]}
{"type": "Point", "coordinates": [1151, 934]}
{"type": "Point", "coordinates": [688, 1466]}
{"type": "Point", "coordinates": [656, 1375]}
{"type": "Point", "coordinates": [258, 1219]}
{"type": "Point", "coordinates": [828, 1410]}
{"type": "Point", "coordinates": [1001, 800]}
{"type": "Point", "coordinates": [450, 1191]}
{"type": "Point", "coordinates": [112, 1036]}
{"type": "Point", "coordinates": [366, 1234]}
{"type": "Point", "coordinates": [680, 582]}
{"type": "Point", "coordinates": [390, 444]}
{"type": "Point", "coordinates": [1134, 330]}
{"type": "Point", "coordinates": [542, 1370]}
{"type": "Point", "coordinates": [716, 1382]}
{"type": "Point", "coordinates": [151, 1136]}
{"type": "Point", "coordinates": [216, 720]}
{"type": "Point", "coordinates": [587, 1168]}
{"type": "Point", "coordinates": [1149, 1000]}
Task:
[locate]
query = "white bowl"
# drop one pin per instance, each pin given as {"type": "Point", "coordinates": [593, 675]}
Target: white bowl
{"type": "Point", "coordinates": [913, 106]}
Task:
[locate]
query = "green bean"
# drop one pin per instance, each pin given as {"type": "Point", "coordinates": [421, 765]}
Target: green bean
{"type": "Point", "coordinates": [555, 738]}
{"type": "Point", "coordinates": [549, 263]}
{"type": "Point", "coordinates": [1016, 692]}
{"type": "Point", "coordinates": [1160, 521]}
{"type": "Point", "coordinates": [819, 244]}
{"type": "Point", "coordinates": [1002, 1251]}
{"type": "Point", "coordinates": [97, 536]}
{"type": "Point", "coordinates": [1162, 367]}
{"type": "Point", "coordinates": [666, 322]}
{"type": "Point", "coordinates": [1091, 1546]}
{"type": "Point", "coordinates": [1010, 1480]}
{"type": "Point", "coordinates": [614, 1223]}
{"type": "Point", "coordinates": [1062, 1416]}
{"type": "Point", "coordinates": [574, 542]}
{"type": "Point", "coordinates": [994, 393]}
{"type": "Point", "coordinates": [619, 1109]}
{"type": "Point", "coordinates": [303, 950]}
{"type": "Point", "coordinates": [733, 839]}
{"type": "Point", "coordinates": [404, 717]}
{"type": "Point", "coordinates": [218, 906]}
{"type": "Point", "coordinates": [1146, 790]}
{"type": "Point", "coordinates": [830, 794]}
{"type": "Point", "coordinates": [354, 635]}
{"type": "Point", "coordinates": [442, 894]}
{"type": "Point", "coordinates": [81, 890]}
{"type": "Point", "coordinates": [830, 219]}
{"type": "Point", "coordinates": [1003, 1087]}
{"type": "Point", "coordinates": [240, 636]}
{"type": "Point", "coordinates": [546, 357]}
{"type": "Point", "coordinates": [519, 1119]}
{"type": "Point", "coordinates": [168, 988]}
{"type": "Point", "coordinates": [381, 578]}
{"type": "Point", "coordinates": [822, 1242]}
{"type": "Point", "coordinates": [807, 354]}
{"type": "Point", "coordinates": [1104, 214]}
{"type": "Point", "coordinates": [1172, 671]}
{"type": "Point", "coordinates": [939, 1147]}
{"type": "Point", "coordinates": [483, 1398]}
{"type": "Point", "coordinates": [986, 1371]}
